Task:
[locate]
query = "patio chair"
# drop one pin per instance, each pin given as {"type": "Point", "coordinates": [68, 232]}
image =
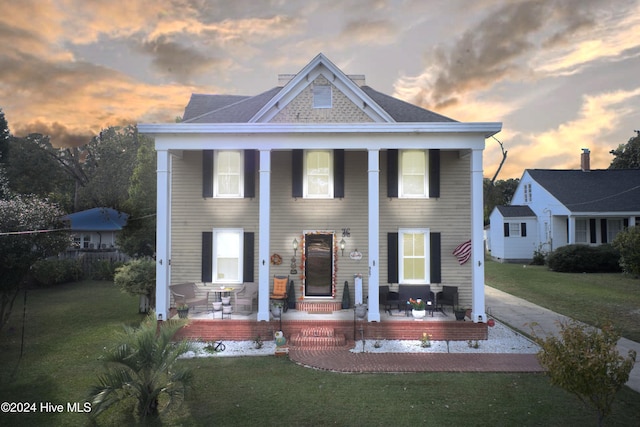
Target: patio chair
{"type": "Point", "coordinates": [245, 296]}
{"type": "Point", "coordinates": [447, 296]}
{"type": "Point", "coordinates": [279, 293]}
{"type": "Point", "coordinates": [189, 294]}
{"type": "Point", "coordinates": [388, 299]}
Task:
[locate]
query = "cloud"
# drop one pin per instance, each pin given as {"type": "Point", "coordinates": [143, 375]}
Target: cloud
{"type": "Point", "coordinates": [497, 48]}
{"type": "Point", "coordinates": [560, 147]}
{"type": "Point", "coordinates": [380, 31]}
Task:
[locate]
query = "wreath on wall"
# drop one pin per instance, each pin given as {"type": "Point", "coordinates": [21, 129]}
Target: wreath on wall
{"type": "Point", "coordinates": [276, 259]}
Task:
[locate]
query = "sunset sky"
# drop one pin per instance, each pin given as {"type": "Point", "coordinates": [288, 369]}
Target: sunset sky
{"type": "Point", "coordinates": [560, 74]}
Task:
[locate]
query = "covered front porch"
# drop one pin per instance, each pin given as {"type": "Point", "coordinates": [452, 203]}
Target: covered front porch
{"type": "Point", "coordinates": [338, 328]}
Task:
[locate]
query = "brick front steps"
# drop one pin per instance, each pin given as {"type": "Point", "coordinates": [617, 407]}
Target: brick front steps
{"type": "Point", "coordinates": [239, 330]}
{"type": "Point", "coordinates": [318, 307]}
{"type": "Point", "coordinates": [320, 337]}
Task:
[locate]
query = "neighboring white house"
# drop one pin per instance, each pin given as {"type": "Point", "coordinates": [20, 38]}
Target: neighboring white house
{"type": "Point", "coordinates": [517, 238]}
{"type": "Point", "coordinates": [581, 206]}
{"type": "Point", "coordinates": [323, 170]}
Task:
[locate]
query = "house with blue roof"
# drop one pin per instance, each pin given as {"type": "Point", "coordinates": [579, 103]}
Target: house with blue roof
{"type": "Point", "coordinates": [96, 228]}
{"type": "Point", "coordinates": [553, 208]}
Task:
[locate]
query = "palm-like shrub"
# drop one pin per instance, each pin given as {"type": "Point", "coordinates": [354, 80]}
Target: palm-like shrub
{"type": "Point", "coordinates": [143, 369]}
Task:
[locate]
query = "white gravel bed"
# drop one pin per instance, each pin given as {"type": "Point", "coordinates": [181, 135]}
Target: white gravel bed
{"type": "Point", "coordinates": [501, 340]}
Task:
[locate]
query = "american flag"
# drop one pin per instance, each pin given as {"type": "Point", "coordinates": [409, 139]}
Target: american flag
{"type": "Point", "coordinates": [463, 252]}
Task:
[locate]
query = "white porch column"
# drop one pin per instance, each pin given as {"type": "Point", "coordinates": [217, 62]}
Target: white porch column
{"type": "Point", "coordinates": [571, 238]}
{"type": "Point", "coordinates": [478, 313]}
{"type": "Point", "coordinates": [632, 221]}
{"type": "Point", "coordinates": [374, 235]}
{"type": "Point", "coordinates": [163, 230]}
{"type": "Point", "coordinates": [264, 233]}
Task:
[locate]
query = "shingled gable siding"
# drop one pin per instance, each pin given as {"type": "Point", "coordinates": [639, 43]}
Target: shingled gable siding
{"type": "Point", "coordinates": [448, 215]}
{"type": "Point", "coordinates": [300, 109]}
{"type": "Point", "coordinates": [192, 215]}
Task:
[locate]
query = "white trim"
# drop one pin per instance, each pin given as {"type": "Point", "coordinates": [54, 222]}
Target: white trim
{"type": "Point", "coordinates": [374, 234]}
{"type": "Point", "coordinates": [264, 233]}
{"type": "Point", "coordinates": [478, 313]}
{"type": "Point", "coordinates": [485, 129]}
{"type": "Point", "coordinates": [163, 231]}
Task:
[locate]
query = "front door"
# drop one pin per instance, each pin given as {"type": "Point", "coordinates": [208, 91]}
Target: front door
{"type": "Point", "coordinates": [318, 265]}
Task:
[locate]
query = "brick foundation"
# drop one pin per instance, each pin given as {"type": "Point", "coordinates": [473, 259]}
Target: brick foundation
{"type": "Point", "coordinates": [239, 330]}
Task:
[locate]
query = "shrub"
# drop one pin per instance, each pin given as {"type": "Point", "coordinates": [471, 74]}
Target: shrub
{"type": "Point", "coordinates": [137, 277]}
{"type": "Point", "coordinates": [49, 272]}
{"type": "Point", "coordinates": [539, 257]}
{"type": "Point", "coordinates": [585, 361]}
{"type": "Point", "coordinates": [628, 243]}
{"type": "Point", "coordinates": [104, 269]}
{"type": "Point", "coordinates": [584, 259]}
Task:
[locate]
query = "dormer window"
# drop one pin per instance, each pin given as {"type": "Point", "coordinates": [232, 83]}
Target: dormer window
{"type": "Point", "coordinates": [321, 96]}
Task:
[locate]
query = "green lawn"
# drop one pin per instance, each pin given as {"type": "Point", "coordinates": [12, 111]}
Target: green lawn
{"type": "Point", "coordinates": [68, 326]}
{"type": "Point", "coordinates": [591, 298]}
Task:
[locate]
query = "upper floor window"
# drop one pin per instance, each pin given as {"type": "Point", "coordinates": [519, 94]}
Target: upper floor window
{"type": "Point", "coordinates": [413, 254]}
{"type": "Point", "coordinates": [318, 174]}
{"type": "Point", "coordinates": [321, 96]}
{"type": "Point", "coordinates": [227, 255]}
{"type": "Point", "coordinates": [527, 193]}
{"type": "Point", "coordinates": [413, 174]}
{"type": "Point", "coordinates": [228, 174]}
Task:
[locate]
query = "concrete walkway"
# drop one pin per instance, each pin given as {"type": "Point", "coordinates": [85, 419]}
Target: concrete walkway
{"type": "Point", "coordinates": [521, 314]}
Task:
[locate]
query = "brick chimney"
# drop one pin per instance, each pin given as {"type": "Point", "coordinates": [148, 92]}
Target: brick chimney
{"type": "Point", "coordinates": [585, 160]}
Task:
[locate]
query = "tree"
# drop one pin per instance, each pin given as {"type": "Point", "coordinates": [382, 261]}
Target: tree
{"type": "Point", "coordinates": [109, 163]}
{"type": "Point", "coordinates": [32, 170]}
{"type": "Point", "coordinates": [627, 156]}
{"type": "Point", "coordinates": [28, 233]}
{"type": "Point", "coordinates": [585, 362]}
{"type": "Point", "coordinates": [143, 368]}
{"type": "Point", "coordinates": [627, 242]}
{"type": "Point", "coordinates": [498, 193]}
{"type": "Point", "coordinates": [138, 237]}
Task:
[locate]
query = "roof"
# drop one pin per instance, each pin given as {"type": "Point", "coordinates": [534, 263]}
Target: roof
{"type": "Point", "coordinates": [244, 109]}
{"type": "Point", "coordinates": [97, 219]}
{"type": "Point", "coordinates": [599, 190]}
{"type": "Point", "coordinates": [515, 211]}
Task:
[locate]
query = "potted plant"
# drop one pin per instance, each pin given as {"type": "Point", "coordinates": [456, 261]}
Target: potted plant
{"type": "Point", "coordinates": [276, 309]}
{"type": "Point", "coordinates": [183, 311]}
{"type": "Point", "coordinates": [460, 312]}
{"type": "Point", "coordinates": [418, 308]}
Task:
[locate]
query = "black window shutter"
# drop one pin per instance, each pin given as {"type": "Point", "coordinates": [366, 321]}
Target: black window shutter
{"type": "Point", "coordinates": [207, 256]}
{"type": "Point", "coordinates": [392, 173]}
{"type": "Point", "coordinates": [338, 174]}
{"type": "Point", "coordinates": [625, 223]}
{"type": "Point", "coordinates": [249, 174]}
{"type": "Point", "coordinates": [392, 257]}
{"type": "Point", "coordinates": [506, 229]}
{"type": "Point", "coordinates": [436, 261]}
{"type": "Point", "coordinates": [592, 230]}
{"type": "Point", "coordinates": [434, 173]}
{"type": "Point", "coordinates": [296, 173]}
{"type": "Point", "coordinates": [523, 229]}
{"type": "Point", "coordinates": [207, 173]}
{"type": "Point", "coordinates": [603, 230]}
{"type": "Point", "coordinates": [247, 261]}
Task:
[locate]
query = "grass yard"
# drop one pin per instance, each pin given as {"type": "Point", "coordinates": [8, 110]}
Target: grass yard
{"type": "Point", "coordinates": [68, 326]}
{"type": "Point", "coordinates": [590, 298]}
